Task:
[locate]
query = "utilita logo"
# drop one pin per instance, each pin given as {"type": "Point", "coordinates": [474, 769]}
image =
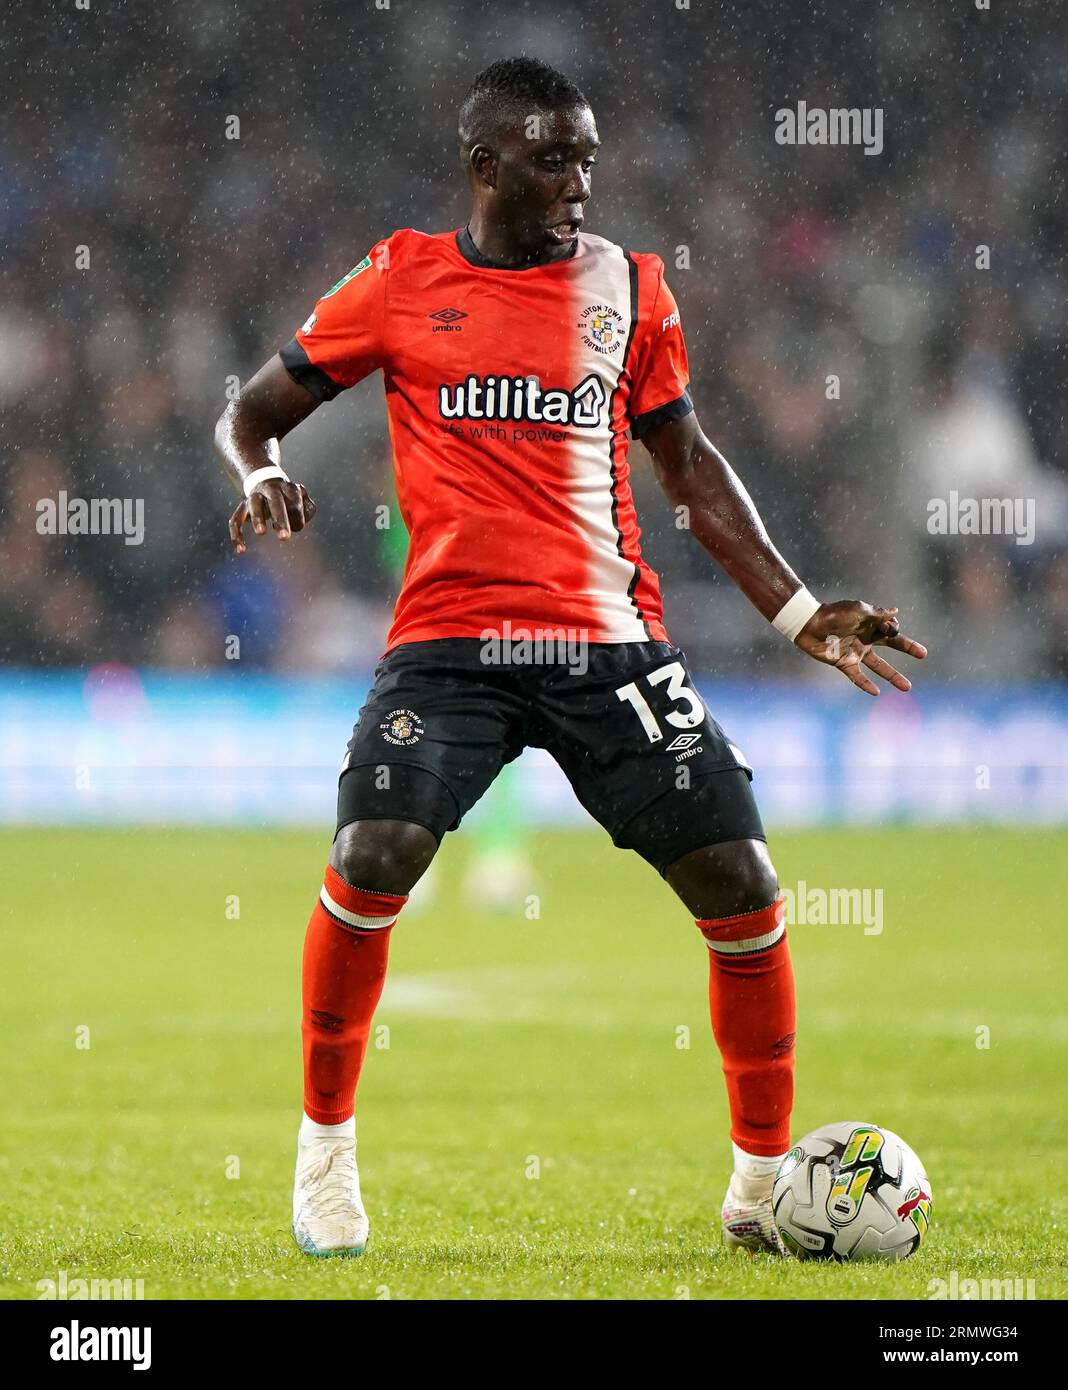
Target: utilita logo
{"type": "Point", "coordinates": [522, 398]}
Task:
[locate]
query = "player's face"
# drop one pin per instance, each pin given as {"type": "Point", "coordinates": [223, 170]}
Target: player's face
{"type": "Point", "coordinates": [543, 179]}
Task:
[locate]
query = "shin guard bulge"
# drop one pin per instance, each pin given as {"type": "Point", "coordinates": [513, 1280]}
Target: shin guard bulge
{"type": "Point", "coordinates": [752, 1004]}
{"type": "Point", "coordinates": [345, 952]}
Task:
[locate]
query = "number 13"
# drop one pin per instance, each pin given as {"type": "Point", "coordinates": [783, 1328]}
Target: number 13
{"type": "Point", "coordinates": [677, 689]}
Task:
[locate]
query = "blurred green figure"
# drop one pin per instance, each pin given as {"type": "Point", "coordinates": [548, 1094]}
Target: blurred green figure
{"type": "Point", "coordinates": [499, 874]}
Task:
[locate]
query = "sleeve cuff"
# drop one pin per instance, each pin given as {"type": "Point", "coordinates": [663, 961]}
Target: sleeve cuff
{"type": "Point", "coordinates": [677, 409]}
{"type": "Point", "coordinates": [305, 373]}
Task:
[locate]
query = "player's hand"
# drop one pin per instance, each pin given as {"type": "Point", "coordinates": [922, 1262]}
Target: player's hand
{"type": "Point", "coordinates": [287, 507]}
{"type": "Point", "coordinates": [843, 635]}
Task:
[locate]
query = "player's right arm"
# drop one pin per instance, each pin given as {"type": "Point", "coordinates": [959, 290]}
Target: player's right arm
{"type": "Point", "coordinates": [343, 340]}
{"type": "Point", "coordinates": [247, 438]}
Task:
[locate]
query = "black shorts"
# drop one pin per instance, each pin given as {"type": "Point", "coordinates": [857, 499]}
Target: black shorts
{"type": "Point", "coordinates": [631, 734]}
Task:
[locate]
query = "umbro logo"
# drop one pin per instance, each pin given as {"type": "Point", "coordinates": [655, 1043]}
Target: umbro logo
{"type": "Point", "coordinates": [446, 320]}
{"type": "Point", "coordinates": [683, 741]}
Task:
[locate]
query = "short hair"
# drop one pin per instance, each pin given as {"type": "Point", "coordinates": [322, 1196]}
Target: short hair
{"type": "Point", "coordinates": [507, 92]}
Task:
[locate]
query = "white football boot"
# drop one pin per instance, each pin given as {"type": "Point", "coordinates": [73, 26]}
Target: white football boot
{"type": "Point", "coordinates": [748, 1222]}
{"type": "Point", "coordinates": [328, 1214]}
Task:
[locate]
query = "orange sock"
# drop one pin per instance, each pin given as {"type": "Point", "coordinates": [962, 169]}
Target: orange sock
{"type": "Point", "coordinates": [751, 999]}
{"type": "Point", "coordinates": [345, 952]}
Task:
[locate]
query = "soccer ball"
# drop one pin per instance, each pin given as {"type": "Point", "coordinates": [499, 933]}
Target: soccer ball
{"type": "Point", "coordinates": [852, 1192]}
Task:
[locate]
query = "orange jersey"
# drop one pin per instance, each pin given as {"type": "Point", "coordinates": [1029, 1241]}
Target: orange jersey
{"type": "Point", "coordinates": [510, 394]}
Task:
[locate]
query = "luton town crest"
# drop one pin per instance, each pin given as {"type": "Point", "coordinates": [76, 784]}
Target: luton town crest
{"type": "Point", "coordinates": [602, 328]}
{"type": "Point", "coordinates": [402, 728]}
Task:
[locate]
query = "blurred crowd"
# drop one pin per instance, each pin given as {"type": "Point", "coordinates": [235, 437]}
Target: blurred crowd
{"type": "Point", "coordinates": [854, 352]}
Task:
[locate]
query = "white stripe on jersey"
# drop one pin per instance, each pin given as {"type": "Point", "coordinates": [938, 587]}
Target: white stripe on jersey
{"type": "Point", "coordinates": [605, 280]}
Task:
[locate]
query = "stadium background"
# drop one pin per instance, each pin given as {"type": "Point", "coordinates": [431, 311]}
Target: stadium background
{"type": "Point", "coordinates": [205, 253]}
{"type": "Point", "coordinates": [513, 1035]}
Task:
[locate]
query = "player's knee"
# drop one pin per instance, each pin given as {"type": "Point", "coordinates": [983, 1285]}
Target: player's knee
{"type": "Point", "coordinates": [383, 856]}
{"type": "Point", "coordinates": [726, 879]}
{"type": "Point", "coordinates": [752, 874]}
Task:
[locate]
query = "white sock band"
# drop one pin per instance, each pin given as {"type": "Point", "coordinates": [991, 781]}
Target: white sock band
{"type": "Point", "coordinates": [795, 613]}
{"type": "Point", "coordinates": [751, 944]}
{"type": "Point", "coordinates": [363, 920]}
{"type": "Point", "coordinates": [263, 475]}
{"type": "Point", "coordinates": [310, 1130]}
{"type": "Point", "coordinates": [755, 1165]}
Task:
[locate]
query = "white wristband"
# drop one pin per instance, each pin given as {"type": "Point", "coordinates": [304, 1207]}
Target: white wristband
{"type": "Point", "coordinates": [795, 613]}
{"type": "Point", "coordinates": [261, 475]}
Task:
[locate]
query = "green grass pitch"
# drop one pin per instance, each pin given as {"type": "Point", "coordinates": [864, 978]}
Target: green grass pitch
{"type": "Point", "coordinates": [533, 1129]}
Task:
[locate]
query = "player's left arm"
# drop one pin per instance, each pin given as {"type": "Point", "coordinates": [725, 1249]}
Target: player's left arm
{"type": "Point", "coordinates": [695, 475]}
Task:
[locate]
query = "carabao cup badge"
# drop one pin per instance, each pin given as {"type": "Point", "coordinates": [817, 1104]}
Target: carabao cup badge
{"type": "Point", "coordinates": [402, 727]}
